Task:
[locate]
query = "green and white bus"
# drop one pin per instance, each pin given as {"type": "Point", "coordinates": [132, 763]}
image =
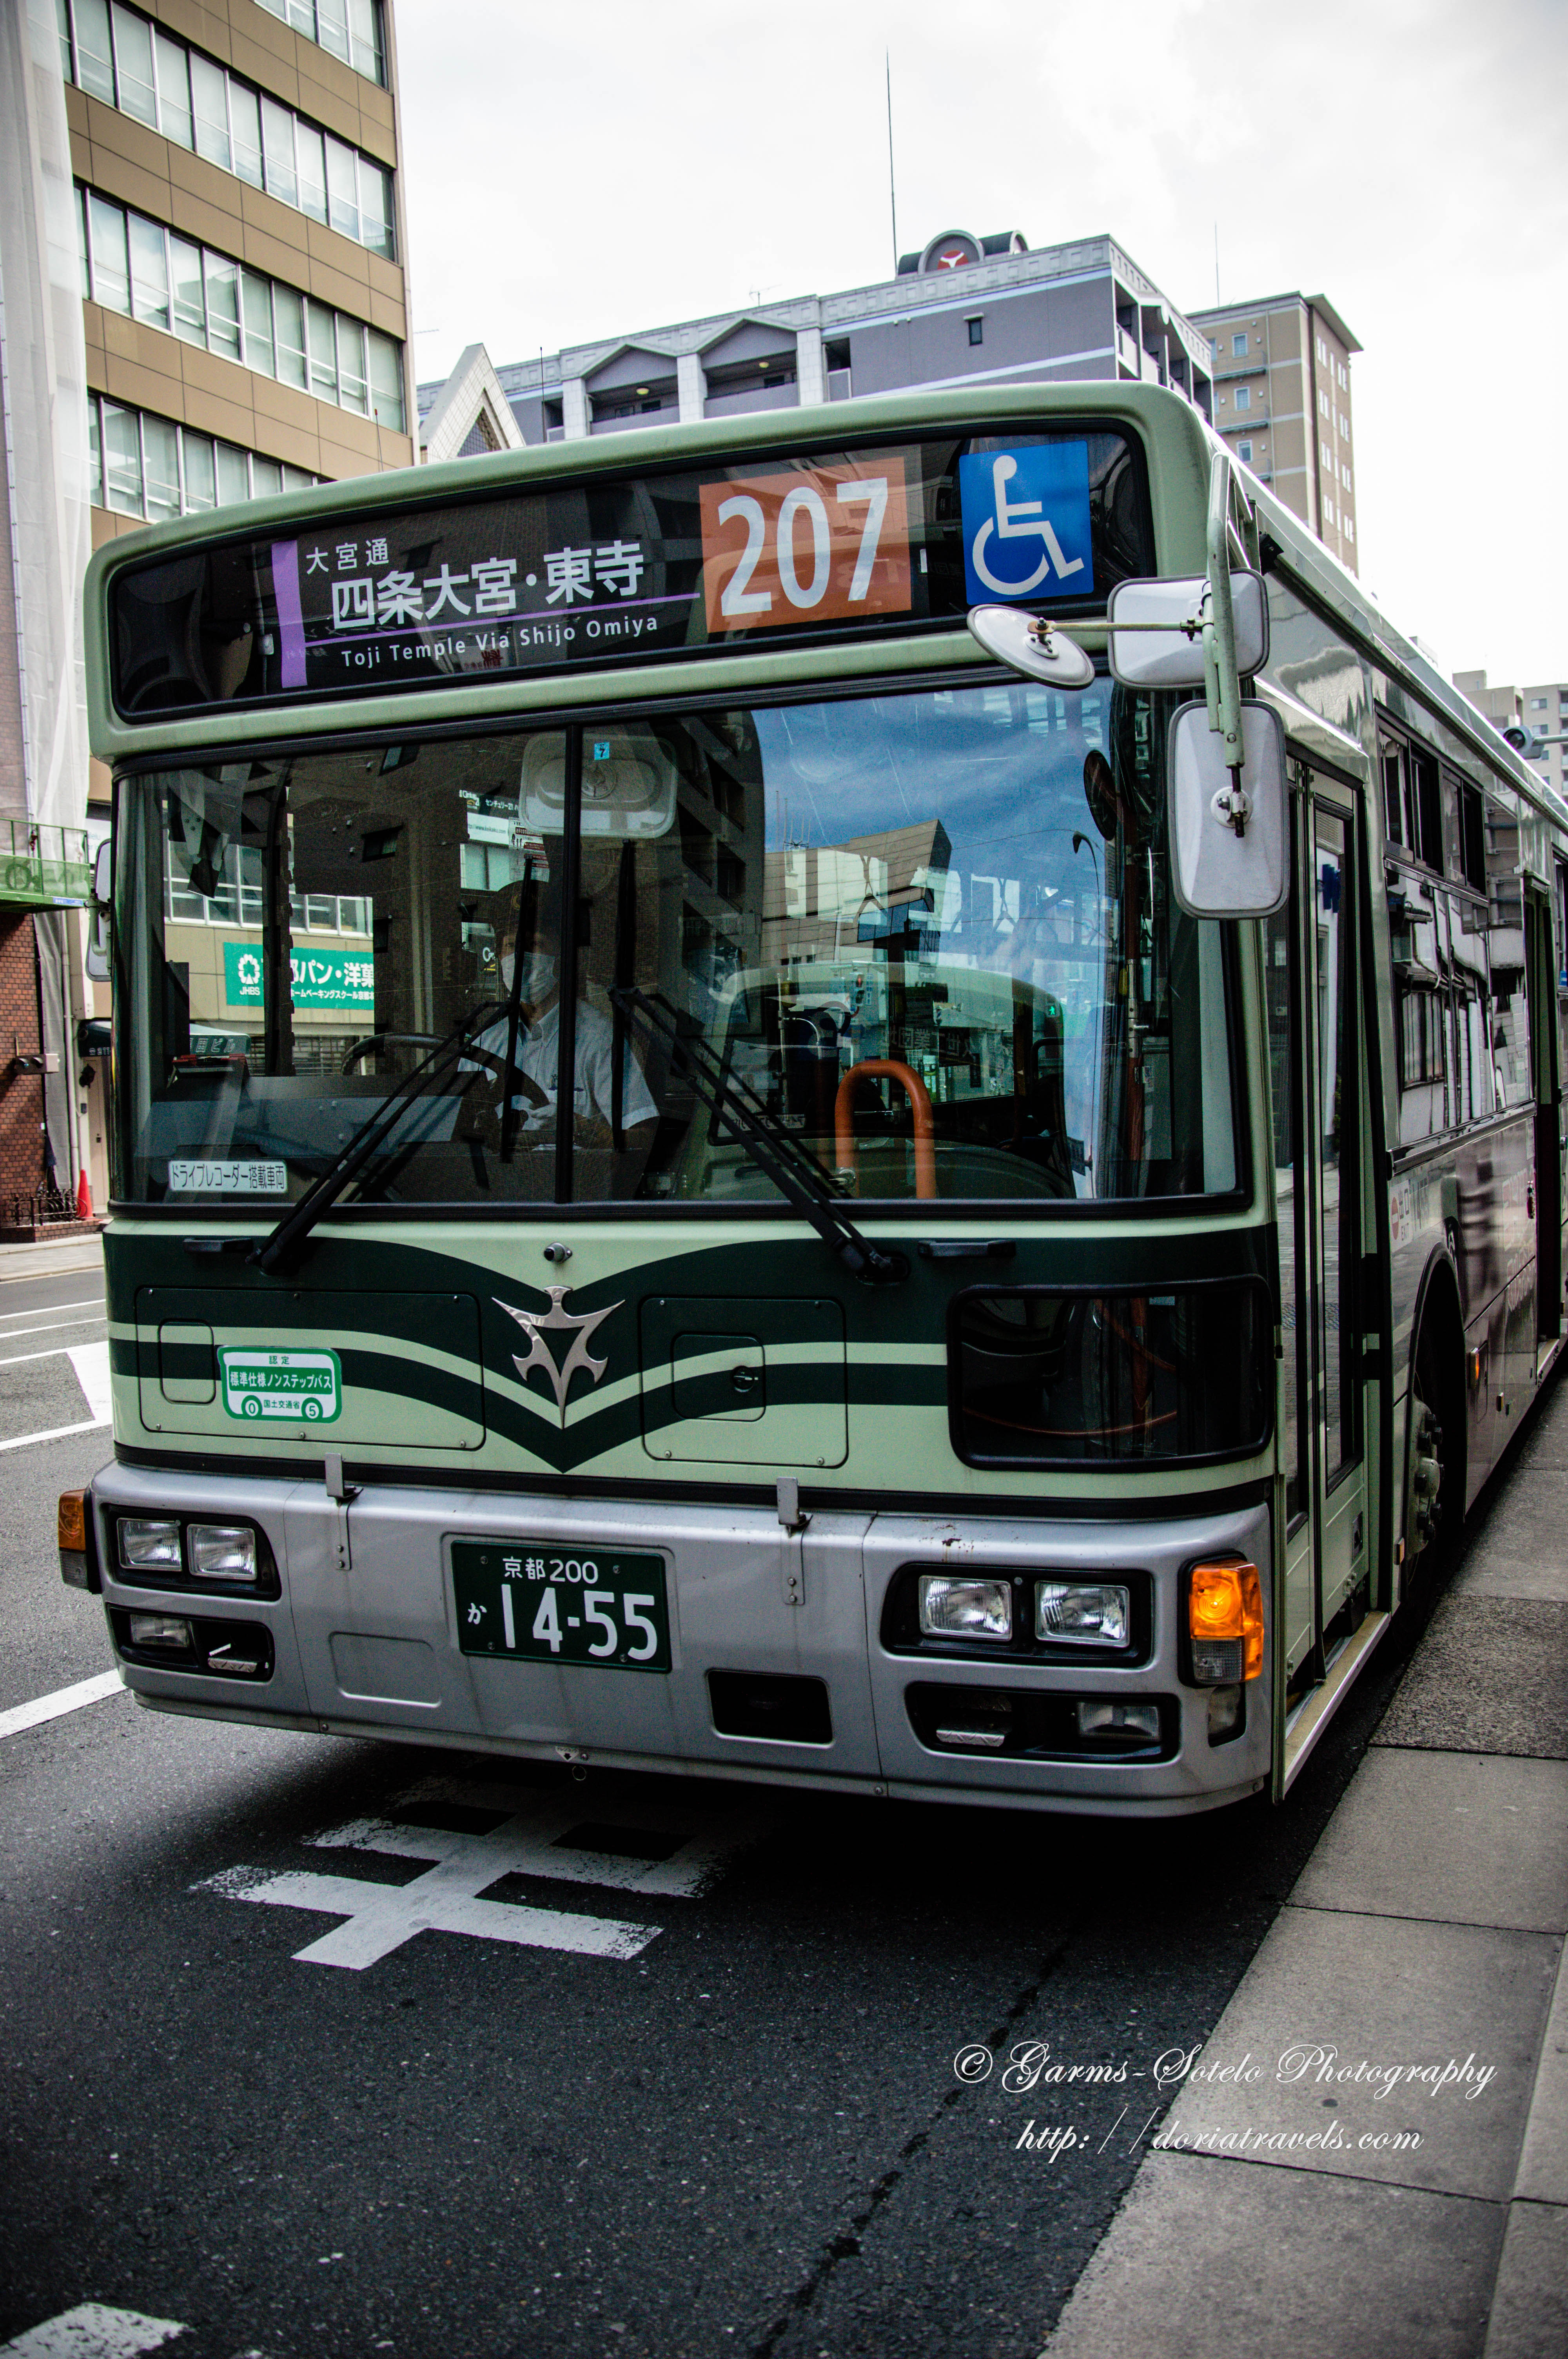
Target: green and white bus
{"type": "Point", "coordinates": [1059, 1202]}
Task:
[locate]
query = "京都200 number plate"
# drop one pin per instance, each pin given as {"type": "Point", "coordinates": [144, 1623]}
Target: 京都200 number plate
{"type": "Point", "coordinates": [532, 1602]}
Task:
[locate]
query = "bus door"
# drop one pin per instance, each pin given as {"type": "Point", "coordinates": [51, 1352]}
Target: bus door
{"type": "Point", "coordinates": [1312, 950]}
{"type": "Point", "coordinates": [1542, 972]}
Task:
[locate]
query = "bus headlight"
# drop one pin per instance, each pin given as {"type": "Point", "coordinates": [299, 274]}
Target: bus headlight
{"type": "Point", "coordinates": [170, 1630]}
{"type": "Point", "coordinates": [1225, 1624]}
{"type": "Point", "coordinates": [1082, 1612]}
{"type": "Point", "coordinates": [959, 1605]}
{"type": "Point", "coordinates": [149, 1547]}
{"type": "Point", "coordinates": [223, 1552]}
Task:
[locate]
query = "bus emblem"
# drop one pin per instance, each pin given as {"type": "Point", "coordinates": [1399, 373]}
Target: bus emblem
{"type": "Point", "coordinates": [580, 1326]}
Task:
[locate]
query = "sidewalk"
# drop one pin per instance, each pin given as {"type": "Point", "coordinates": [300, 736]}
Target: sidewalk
{"type": "Point", "coordinates": [1426, 1930]}
{"type": "Point", "coordinates": [68, 1257]}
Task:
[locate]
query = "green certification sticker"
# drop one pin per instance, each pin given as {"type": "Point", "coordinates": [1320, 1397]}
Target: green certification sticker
{"type": "Point", "coordinates": [262, 1387]}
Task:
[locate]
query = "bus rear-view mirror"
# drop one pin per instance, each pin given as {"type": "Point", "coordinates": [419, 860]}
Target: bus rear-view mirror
{"type": "Point", "coordinates": [1155, 630]}
{"type": "Point", "coordinates": [628, 785]}
{"type": "Point", "coordinates": [1229, 833]}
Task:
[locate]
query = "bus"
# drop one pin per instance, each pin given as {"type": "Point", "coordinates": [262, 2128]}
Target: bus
{"type": "Point", "coordinates": [991, 1319]}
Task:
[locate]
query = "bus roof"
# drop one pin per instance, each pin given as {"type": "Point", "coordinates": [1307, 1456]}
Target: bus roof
{"type": "Point", "coordinates": [1178, 442]}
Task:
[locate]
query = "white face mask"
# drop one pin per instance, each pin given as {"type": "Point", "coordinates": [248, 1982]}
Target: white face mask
{"type": "Point", "coordinates": [538, 974]}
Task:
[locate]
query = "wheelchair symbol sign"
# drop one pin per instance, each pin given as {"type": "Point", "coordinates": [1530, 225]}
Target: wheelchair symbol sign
{"type": "Point", "coordinates": [1027, 522]}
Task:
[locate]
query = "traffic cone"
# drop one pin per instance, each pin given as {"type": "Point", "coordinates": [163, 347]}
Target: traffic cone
{"type": "Point", "coordinates": [83, 1198]}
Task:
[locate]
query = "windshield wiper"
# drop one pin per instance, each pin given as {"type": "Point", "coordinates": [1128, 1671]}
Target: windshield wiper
{"type": "Point", "coordinates": [777, 1155]}
{"type": "Point", "coordinates": [278, 1253]}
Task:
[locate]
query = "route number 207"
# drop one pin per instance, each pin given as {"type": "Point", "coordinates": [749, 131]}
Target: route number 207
{"type": "Point", "coordinates": [809, 544]}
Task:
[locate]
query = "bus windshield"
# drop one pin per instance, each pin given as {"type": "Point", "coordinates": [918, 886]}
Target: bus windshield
{"type": "Point", "coordinates": [928, 933]}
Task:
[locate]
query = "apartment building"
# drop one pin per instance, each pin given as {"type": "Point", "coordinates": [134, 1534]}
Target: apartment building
{"type": "Point", "coordinates": [963, 311]}
{"type": "Point", "coordinates": [230, 171]}
{"type": "Point", "coordinates": [1539, 715]}
{"type": "Point", "coordinates": [1281, 399]}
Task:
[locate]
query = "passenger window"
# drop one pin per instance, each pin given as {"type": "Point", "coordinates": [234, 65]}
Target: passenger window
{"type": "Point", "coordinates": [1393, 763]}
{"type": "Point", "coordinates": [1427, 808]}
{"type": "Point", "coordinates": [1509, 1015]}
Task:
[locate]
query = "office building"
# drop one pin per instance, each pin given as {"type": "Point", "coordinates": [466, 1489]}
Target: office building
{"type": "Point", "coordinates": [1539, 715]}
{"type": "Point", "coordinates": [228, 197]}
{"type": "Point", "coordinates": [1281, 399]}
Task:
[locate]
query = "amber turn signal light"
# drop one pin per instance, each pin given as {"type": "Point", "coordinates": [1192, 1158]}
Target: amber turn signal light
{"type": "Point", "coordinates": [70, 1520]}
{"type": "Point", "coordinates": [1224, 1622]}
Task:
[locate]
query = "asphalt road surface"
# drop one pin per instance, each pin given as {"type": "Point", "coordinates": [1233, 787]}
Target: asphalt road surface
{"type": "Point", "coordinates": [311, 2098]}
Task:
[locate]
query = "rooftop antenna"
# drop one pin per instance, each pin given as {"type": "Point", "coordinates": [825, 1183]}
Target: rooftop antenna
{"type": "Point", "coordinates": [892, 191]}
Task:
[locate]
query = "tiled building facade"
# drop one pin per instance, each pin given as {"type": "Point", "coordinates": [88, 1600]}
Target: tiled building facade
{"type": "Point", "coordinates": [1281, 399]}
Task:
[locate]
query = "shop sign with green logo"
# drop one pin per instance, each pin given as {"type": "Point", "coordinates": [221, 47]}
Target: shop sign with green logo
{"type": "Point", "coordinates": [259, 1387]}
{"type": "Point", "coordinates": [317, 978]}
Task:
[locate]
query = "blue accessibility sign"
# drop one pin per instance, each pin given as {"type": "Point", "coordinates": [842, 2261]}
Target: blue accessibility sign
{"type": "Point", "coordinates": [1027, 522]}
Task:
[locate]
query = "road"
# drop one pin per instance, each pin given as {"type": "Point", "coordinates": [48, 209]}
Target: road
{"type": "Point", "coordinates": [738, 2130]}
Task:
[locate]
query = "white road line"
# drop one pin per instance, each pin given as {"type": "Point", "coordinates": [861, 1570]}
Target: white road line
{"type": "Point", "coordinates": [91, 2332]}
{"type": "Point", "coordinates": [56, 1433]}
{"type": "Point", "coordinates": [50, 1327]}
{"type": "Point", "coordinates": [49, 1707]}
{"type": "Point", "coordinates": [380, 1918]}
{"type": "Point", "coordinates": [47, 1309]}
{"type": "Point", "coordinates": [21, 1358]}
{"type": "Point", "coordinates": [91, 1362]}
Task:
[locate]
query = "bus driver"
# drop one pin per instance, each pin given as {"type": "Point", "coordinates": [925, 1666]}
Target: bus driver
{"type": "Point", "coordinates": [528, 956]}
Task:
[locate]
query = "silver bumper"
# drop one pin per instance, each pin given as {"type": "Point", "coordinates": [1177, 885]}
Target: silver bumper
{"type": "Point", "coordinates": [365, 1638]}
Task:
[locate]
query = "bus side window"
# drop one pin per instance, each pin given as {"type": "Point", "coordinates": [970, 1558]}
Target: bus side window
{"type": "Point", "coordinates": [1510, 1016]}
{"type": "Point", "coordinates": [1394, 791]}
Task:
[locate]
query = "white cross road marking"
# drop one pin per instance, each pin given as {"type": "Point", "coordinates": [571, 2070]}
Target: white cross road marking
{"type": "Point", "coordinates": [91, 2331]}
{"type": "Point", "coordinates": [49, 1707]}
{"type": "Point", "coordinates": [380, 1918]}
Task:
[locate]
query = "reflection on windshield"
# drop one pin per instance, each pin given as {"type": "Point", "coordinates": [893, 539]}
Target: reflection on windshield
{"type": "Point", "coordinates": [932, 933]}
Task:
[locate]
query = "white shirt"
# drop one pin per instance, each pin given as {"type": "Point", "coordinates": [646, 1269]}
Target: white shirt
{"type": "Point", "coordinates": [538, 1057]}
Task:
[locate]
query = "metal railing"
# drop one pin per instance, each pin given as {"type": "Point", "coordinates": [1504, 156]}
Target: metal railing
{"type": "Point", "coordinates": [44, 867]}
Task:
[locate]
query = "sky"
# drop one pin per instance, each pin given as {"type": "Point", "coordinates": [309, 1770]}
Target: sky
{"type": "Point", "coordinates": [572, 174]}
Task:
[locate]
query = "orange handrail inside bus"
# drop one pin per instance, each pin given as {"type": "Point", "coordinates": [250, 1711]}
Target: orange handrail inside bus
{"type": "Point", "coordinates": [919, 1099]}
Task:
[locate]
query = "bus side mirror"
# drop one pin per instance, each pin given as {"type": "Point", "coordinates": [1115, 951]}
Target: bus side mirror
{"type": "Point", "coordinates": [97, 917]}
{"type": "Point", "coordinates": [1154, 629]}
{"type": "Point", "coordinates": [1227, 860]}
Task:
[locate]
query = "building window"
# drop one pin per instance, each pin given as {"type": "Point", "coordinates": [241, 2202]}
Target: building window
{"type": "Point", "coordinates": [1245, 449]}
{"type": "Point", "coordinates": [1349, 528]}
{"type": "Point", "coordinates": [1345, 477]}
{"type": "Point", "coordinates": [142, 465]}
{"type": "Point", "coordinates": [1239, 346]}
{"type": "Point", "coordinates": [197, 103]}
{"type": "Point", "coordinates": [349, 29]}
{"type": "Point", "coordinates": [977, 331]}
{"type": "Point", "coordinates": [1243, 396]}
{"type": "Point", "coordinates": [137, 267]}
{"type": "Point", "coordinates": [1538, 703]}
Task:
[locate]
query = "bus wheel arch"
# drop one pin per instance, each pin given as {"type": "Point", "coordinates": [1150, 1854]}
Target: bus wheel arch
{"type": "Point", "coordinates": [1435, 1435]}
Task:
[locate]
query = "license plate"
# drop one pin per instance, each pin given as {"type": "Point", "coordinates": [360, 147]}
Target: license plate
{"type": "Point", "coordinates": [535, 1604]}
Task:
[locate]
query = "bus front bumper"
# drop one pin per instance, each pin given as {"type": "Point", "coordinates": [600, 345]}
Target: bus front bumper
{"type": "Point", "coordinates": [792, 1654]}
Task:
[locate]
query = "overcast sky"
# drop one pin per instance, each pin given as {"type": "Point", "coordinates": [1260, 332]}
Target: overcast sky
{"type": "Point", "coordinates": [577, 173]}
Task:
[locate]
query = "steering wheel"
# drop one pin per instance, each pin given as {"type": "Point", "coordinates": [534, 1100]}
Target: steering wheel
{"type": "Point", "coordinates": [387, 1039]}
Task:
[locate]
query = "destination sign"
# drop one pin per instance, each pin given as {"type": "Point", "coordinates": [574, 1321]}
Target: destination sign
{"type": "Point", "coordinates": [615, 569]}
